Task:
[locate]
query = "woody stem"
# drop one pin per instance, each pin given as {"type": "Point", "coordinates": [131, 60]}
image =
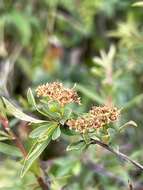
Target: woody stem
{"type": "Point", "coordinates": [117, 153]}
{"type": "Point", "coordinates": [21, 147]}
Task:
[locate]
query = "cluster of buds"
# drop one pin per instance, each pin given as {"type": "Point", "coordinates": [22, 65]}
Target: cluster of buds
{"type": "Point", "coordinates": [105, 114]}
{"type": "Point", "coordinates": [57, 92]}
{"type": "Point", "coordinates": [96, 118]}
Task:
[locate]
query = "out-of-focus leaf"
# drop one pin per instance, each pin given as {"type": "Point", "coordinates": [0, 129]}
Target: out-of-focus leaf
{"type": "Point", "coordinates": [3, 138]}
{"type": "Point", "coordinates": [19, 114]}
{"type": "Point", "coordinates": [16, 18]}
{"type": "Point", "coordinates": [2, 109]}
{"type": "Point", "coordinates": [128, 124]}
{"type": "Point", "coordinates": [111, 132]}
{"type": "Point", "coordinates": [56, 133]}
{"type": "Point", "coordinates": [135, 101]}
{"type": "Point", "coordinates": [10, 150]}
{"type": "Point", "coordinates": [138, 4]}
{"type": "Point", "coordinates": [92, 95]}
{"type": "Point", "coordinates": [80, 145]}
{"type": "Point", "coordinates": [9, 177]}
{"type": "Point", "coordinates": [36, 150]}
{"type": "Point", "coordinates": [4, 133]}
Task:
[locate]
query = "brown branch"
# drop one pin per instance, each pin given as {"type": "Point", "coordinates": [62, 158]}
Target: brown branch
{"type": "Point", "coordinates": [117, 153]}
{"type": "Point", "coordinates": [17, 141]}
{"type": "Point", "coordinates": [42, 184]}
{"type": "Point", "coordinates": [19, 144]}
{"type": "Point", "coordinates": [21, 147]}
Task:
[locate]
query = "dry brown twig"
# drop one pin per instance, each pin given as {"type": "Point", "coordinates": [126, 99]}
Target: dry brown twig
{"type": "Point", "coordinates": [117, 153]}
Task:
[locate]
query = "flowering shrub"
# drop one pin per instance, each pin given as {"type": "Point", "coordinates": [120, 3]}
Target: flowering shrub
{"type": "Point", "coordinates": [54, 105]}
{"type": "Point", "coordinates": [56, 92]}
{"type": "Point", "coordinates": [98, 117]}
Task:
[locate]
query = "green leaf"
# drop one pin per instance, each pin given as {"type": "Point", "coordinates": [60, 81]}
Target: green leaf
{"type": "Point", "coordinates": [48, 113]}
{"type": "Point", "coordinates": [32, 102]}
{"type": "Point", "coordinates": [39, 130]}
{"type": "Point", "coordinates": [135, 101]}
{"type": "Point", "coordinates": [53, 106]}
{"type": "Point", "coordinates": [112, 132]}
{"type": "Point", "coordinates": [45, 135]}
{"type": "Point", "coordinates": [90, 94]}
{"type": "Point", "coordinates": [138, 4]}
{"type": "Point", "coordinates": [68, 131]}
{"type": "Point", "coordinates": [3, 133]}
{"type": "Point", "coordinates": [31, 98]}
{"type": "Point", "coordinates": [4, 136]}
{"type": "Point", "coordinates": [10, 150]}
{"type": "Point", "coordinates": [66, 115]}
{"type": "Point", "coordinates": [126, 125]}
{"type": "Point", "coordinates": [2, 109]}
{"type": "Point", "coordinates": [105, 138]}
{"type": "Point", "coordinates": [56, 133]}
{"type": "Point", "coordinates": [19, 114]}
{"type": "Point", "coordinates": [16, 18]}
{"type": "Point", "coordinates": [80, 145]}
{"type": "Point", "coordinates": [37, 148]}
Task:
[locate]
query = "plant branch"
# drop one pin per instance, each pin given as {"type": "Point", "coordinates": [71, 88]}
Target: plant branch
{"type": "Point", "coordinates": [42, 184]}
{"type": "Point", "coordinates": [21, 147]}
{"type": "Point", "coordinates": [117, 153]}
{"type": "Point", "coordinates": [19, 144]}
{"type": "Point", "coordinates": [17, 141]}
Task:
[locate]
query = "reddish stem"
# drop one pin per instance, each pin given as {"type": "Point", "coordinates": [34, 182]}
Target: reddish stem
{"type": "Point", "coordinates": [21, 147]}
{"type": "Point", "coordinates": [17, 141]}
{"type": "Point", "coordinates": [42, 184]}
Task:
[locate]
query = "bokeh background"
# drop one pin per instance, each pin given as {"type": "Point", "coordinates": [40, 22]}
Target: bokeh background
{"type": "Point", "coordinates": [97, 44]}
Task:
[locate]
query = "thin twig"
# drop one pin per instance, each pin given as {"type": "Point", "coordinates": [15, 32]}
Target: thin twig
{"type": "Point", "coordinates": [117, 153]}
{"type": "Point", "coordinates": [42, 184]}
{"type": "Point", "coordinates": [17, 141]}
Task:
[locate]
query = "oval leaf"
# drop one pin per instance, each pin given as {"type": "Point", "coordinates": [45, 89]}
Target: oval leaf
{"type": "Point", "coordinates": [10, 150]}
{"type": "Point", "coordinates": [31, 98]}
{"type": "Point", "coordinates": [36, 150]}
{"type": "Point", "coordinates": [68, 131]}
{"type": "Point", "coordinates": [54, 106]}
{"type": "Point", "coordinates": [39, 131]}
{"type": "Point", "coordinates": [126, 125]}
{"type": "Point", "coordinates": [4, 138]}
{"type": "Point", "coordinates": [80, 145]}
{"type": "Point", "coordinates": [19, 114]}
{"type": "Point", "coordinates": [56, 133]}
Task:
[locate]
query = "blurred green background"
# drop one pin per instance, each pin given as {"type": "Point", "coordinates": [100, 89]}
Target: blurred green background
{"type": "Point", "coordinates": [97, 44]}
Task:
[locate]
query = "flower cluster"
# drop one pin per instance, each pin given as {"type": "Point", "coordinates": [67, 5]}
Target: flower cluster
{"type": "Point", "coordinates": [96, 118]}
{"type": "Point", "coordinates": [57, 92]}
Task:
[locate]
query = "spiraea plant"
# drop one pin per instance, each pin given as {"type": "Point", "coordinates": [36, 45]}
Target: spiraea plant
{"type": "Point", "coordinates": [53, 103]}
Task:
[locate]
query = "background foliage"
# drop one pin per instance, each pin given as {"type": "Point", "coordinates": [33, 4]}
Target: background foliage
{"type": "Point", "coordinates": [97, 45]}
